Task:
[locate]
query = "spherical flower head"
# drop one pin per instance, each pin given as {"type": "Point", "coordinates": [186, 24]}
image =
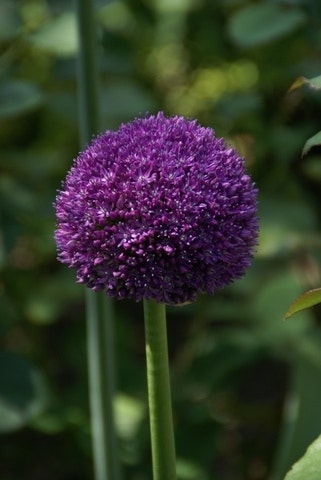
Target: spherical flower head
{"type": "Point", "coordinates": [160, 209]}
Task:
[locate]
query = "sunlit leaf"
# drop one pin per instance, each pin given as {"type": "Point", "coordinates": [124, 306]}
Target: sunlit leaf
{"type": "Point", "coordinates": [306, 300]}
{"type": "Point", "coordinates": [312, 142]}
{"type": "Point", "coordinates": [308, 467]}
{"type": "Point", "coordinates": [314, 83]}
{"type": "Point", "coordinates": [22, 392]}
{"type": "Point", "coordinates": [263, 22]}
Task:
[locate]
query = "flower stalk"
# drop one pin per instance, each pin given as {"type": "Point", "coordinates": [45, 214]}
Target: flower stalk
{"type": "Point", "coordinates": [88, 72]}
{"type": "Point", "coordinates": [99, 313]}
{"type": "Point", "coordinates": [159, 394]}
{"type": "Point", "coordinates": [101, 385]}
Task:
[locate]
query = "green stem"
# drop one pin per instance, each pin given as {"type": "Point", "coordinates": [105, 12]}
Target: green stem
{"type": "Point", "coordinates": [101, 385]}
{"type": "Point", "coordinates": [99, 308]}
{"type": "Point", "coordinates": [159, 394]}
{"type": "Point", "coordinates": [88, 73]}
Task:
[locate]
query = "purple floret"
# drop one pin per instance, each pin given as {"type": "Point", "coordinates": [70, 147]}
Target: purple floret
{"type": "Point", "coordinates": [160, 209]}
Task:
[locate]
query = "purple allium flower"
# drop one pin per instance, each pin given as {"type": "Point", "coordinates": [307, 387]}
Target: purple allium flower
{"type": "Point", "coordinates": [160, 209]}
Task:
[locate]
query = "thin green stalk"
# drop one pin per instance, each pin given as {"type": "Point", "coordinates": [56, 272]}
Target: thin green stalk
{"type": "Point", "coordinates": [99, 308]}
{"type": "Point", "coordinates": [88, 72]}
{"type": "Point", "coordinates": [159, 393]}
{"type": "Point", "coordinates": [101, 385]}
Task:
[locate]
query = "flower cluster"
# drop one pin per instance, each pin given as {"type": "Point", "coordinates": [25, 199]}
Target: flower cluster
{"type": "Point", "coordinates": [160, 209]}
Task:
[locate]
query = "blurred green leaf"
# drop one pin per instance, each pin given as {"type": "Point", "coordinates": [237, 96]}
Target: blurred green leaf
{"type": "Point", "coordinates": [306, 300]}
{"type": "Point", "coordinates": [129, 412]}
{"type": "Point", "coordinates": [22, 392]}
{"type": "Point", "coordinates": [263, 22]}
{"type": "Point", "coordinates": [173, 5]}
{"type": "Point", "coordinates": [41, 310]}
{"type": "Point", "coordinates": [312, 142]}
{"type": "Point", "coordinates": [116, 16]}
{"type": "Point", "coordinates": [58, 37]}
{"type": "Point", "coordinates": [285, 226]}
{"type": "Point", "coordinates": [187, 470]}
{"type": "Point", "coordinates": [19, 97]}
{"type": "Point", "coordinates": [308, 467]}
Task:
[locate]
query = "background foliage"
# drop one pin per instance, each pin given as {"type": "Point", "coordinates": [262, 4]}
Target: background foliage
{"type": "Point", "coordinates": [246, 385]}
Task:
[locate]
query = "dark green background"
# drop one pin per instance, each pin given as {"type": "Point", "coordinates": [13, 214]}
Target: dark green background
{"type": "Point", "coordinates": [243, 379]}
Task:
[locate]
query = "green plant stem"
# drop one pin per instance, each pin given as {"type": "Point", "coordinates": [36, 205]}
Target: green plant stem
{"type": "Point", "coordinates": [88, 72]}
{"type": "Point", "coordinates": [98, 307]}
{"type": "Point", "coordinates": [159, 394]}
{"type": "Point", "coordinates": [102, 385]}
